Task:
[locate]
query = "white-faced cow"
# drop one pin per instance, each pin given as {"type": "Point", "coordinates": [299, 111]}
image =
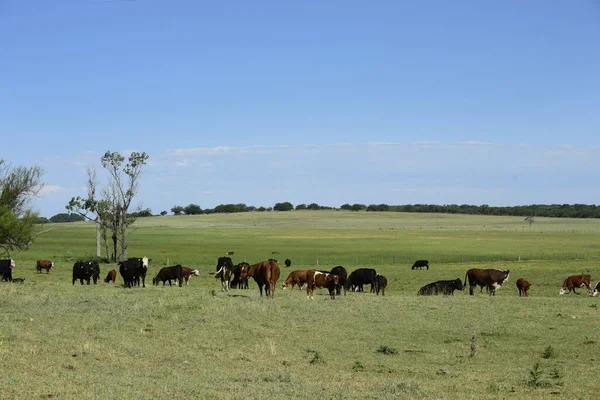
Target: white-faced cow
{"type": "Point", "coordinates": [44, 264]}
{"type": "Point", "coordinates": [321, 279]}
{"type": "Point", "coordinates": [576, 281]}
{"type": "Point", "coordinates": [187, 273]}
{"type": "Point", "coordinates": [6, 267]}
{"type": "Point", "coordinates": [224, 272]}
{"type": "Point", "coordinates": [445, 288]}
{"type": "Point", "coordinates": [492, 279]}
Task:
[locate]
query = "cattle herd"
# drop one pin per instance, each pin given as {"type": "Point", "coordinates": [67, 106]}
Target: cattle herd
{"type": "Point", "coordinates": [266, 274]}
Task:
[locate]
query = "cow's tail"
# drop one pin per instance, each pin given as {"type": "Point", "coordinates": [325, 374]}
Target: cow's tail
{"type": "Point", "coordinates": [466, 274]}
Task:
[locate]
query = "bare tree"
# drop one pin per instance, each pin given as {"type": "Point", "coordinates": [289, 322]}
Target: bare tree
{"type": "Point", "coordinates": [89, 205]}
{"type": "Point", "coordinates": [123, 188]}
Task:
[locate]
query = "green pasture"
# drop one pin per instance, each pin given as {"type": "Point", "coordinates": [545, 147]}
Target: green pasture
{"type": "Point", "coordinates": [64, 341]}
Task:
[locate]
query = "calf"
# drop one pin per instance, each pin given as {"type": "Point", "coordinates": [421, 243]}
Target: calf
{"type": "Point", "coordinates": [380, 284]}
{"type": "Point", "coordinates": [288, 262]}
{"type": "Point", "coordinates": [576, 281]}
{"type": "Point", "coordinates": [420, 264]}
{"type": "Point", "coordinates": [111, 276]}
{"type": "Point", "coordinates": [187, 273]}
{"type": "Point", "coordinates": [237, 282]}
{"type": "Point", "coordinates": [168, 274]}
{"type": "Point", "coordinates": [296, 278]}
{"type": "Point", "coordinates": [523, 287]}
{"type": "Point", "coordinates": [441, 287]}
{"type": "Point", "coordinates": [6, 267]}
{"type": "Point", "coordinates": [44, 264]}
{"type": "Point", "coordinates": [321, 279]}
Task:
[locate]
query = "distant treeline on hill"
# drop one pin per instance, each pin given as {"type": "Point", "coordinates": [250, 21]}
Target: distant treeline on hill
{"type": "Point", "coordinates": [534, 210]}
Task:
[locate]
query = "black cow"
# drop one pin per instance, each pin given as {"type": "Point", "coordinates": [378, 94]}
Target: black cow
{"type": "Point", "coordinates": [441, 287]}
{"type": "Point", "coordinates": [360, 277]}
{"type": "Point", "coordinates": [85, 270]}
{"type": "Point", "coordinates": [288, 263]}
{"type": "Point", "coordinates": [341, 272]}
{"type": "Point", "coordinates": [6, 267]}
{"type": "Point", "coordinates": [237, 282]}
{"type": "Point", "coordinates": [381, 284]}
{"type": "Point", "coordinates": [133, 270]}
{"type": "Point", "coordinates": [420, 264]}
{"type": "Point", "coordinates": [174, 273]}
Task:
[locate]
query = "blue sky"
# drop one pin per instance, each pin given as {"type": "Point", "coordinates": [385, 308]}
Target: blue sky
{"type": "Point", "coordinates": [258, 102]}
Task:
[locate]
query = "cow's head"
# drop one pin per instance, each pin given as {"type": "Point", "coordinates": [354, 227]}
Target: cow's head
{"type": "Point", "coordinates": [196, 272]}
{"type": "Point", "coordinates": [595, 292]}
{"type": "Point", "coordinates": [562, 290]}
{"type": "Point", "coordinates": [457, 284]}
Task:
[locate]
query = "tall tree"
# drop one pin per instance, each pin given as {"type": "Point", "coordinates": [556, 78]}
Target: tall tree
{"type": "Point", "coordinates": [124, 186]}
{"type": "Point", "coordinates": [17, 220]}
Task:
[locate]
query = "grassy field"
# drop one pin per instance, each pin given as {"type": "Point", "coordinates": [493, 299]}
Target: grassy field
{"type": "Point", "coordinates": [105, 342]}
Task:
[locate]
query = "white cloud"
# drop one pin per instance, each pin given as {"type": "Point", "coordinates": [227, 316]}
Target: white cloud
{"type": "Point", "coordinates": [47, 190]}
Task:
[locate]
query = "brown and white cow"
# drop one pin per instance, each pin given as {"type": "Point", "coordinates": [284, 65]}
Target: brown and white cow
{"type": "Point", "coordinates": [576, 281]}
{"type": "Point", "coordinates": [188, 273]}
{"type": "Point", "coordinates": [111, 276]}
{"type": "Point", "coordinates": [523, 287]}
{"type": "Point", "coordinates": [321, 279]}
{"type": "Point", "coordinates": [492, 279]}
{"type": "Point", "coordinates": [44, 264]}
{"type": "Point", "coordinates": [296, 278]}
{"type": "Point", "coordinates": [265, 273]}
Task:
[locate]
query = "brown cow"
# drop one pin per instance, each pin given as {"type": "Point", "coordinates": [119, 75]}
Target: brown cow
{"type": "Point", "coordinates": [573, 281]}
{"type": "Point", "coordinates": [44, 264]}
{"type": "Point", "coordinates": [491, 279]}
{"type": "Point", "coordinates": [187, 273]}
{"type": "Point", "coordinates": [381, 284]}
{"type": "Point", "coordinates": [296, 278]}
{"type": "Point", "coordinates": [321, 279]}
{"type": "Point", "coordinates": [523, 287]}
{"type": "Point", "coordinates": [265, 273]}
{"type": "Point", "coordinates": [111, 276]}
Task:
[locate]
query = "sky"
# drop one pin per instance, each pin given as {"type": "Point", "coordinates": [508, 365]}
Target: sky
{"type": "Point", "coordinates": [329, 101]}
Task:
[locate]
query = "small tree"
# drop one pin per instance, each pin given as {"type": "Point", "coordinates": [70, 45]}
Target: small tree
{"type": "Point", "coordinates": [177, 210]}
{"type": "Point", "coordinates": [163, 213]}
{"type": "Point", "coordinates": [17, 220]}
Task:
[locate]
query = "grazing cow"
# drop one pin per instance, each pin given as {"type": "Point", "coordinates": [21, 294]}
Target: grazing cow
{"type": "Point", "coordinates": [236, 282]}
{"type": "Point", "coordinates": [596, 289]}
{"type": "Point", "coordinates": [44, 264]}
{"type": "Point", "coordinates": [111, 276]}
{"type": "Point", "coordinates": [523, 287]}
{"type": "Point", "coordinates": [420, 264]}
{"type": "Point", "coordinates": [265, 273]}
{"type": "Point", "coordinates": [321, 279]}
{"type": "Point", "coordinates": [224, 271]}
{"type": "Point", "coordinates": [6, 267]}
{"type": "Point", "coordinates": [492, 279]}
{"type": "Point", "coordinates": [441, 287]}
{"type": "Point", "coordinates": [360, 277]}
{"type": "Point", "coordinates": [576, 281]}
{"type": "Point", "coordinates": [288, 262]}
{"type": "Point", "coordinates": [297, 277]}
{"type": "Point", "coordinates": [174, 273]}
{"type": "Point", "coordinates": [341, 272]}
{"type": "Point", "coordinates": [380, 284]}
{"type": "Point", "coordinates": [85, 270]}
{"type": "Point", "coordinates": [187, 273]}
